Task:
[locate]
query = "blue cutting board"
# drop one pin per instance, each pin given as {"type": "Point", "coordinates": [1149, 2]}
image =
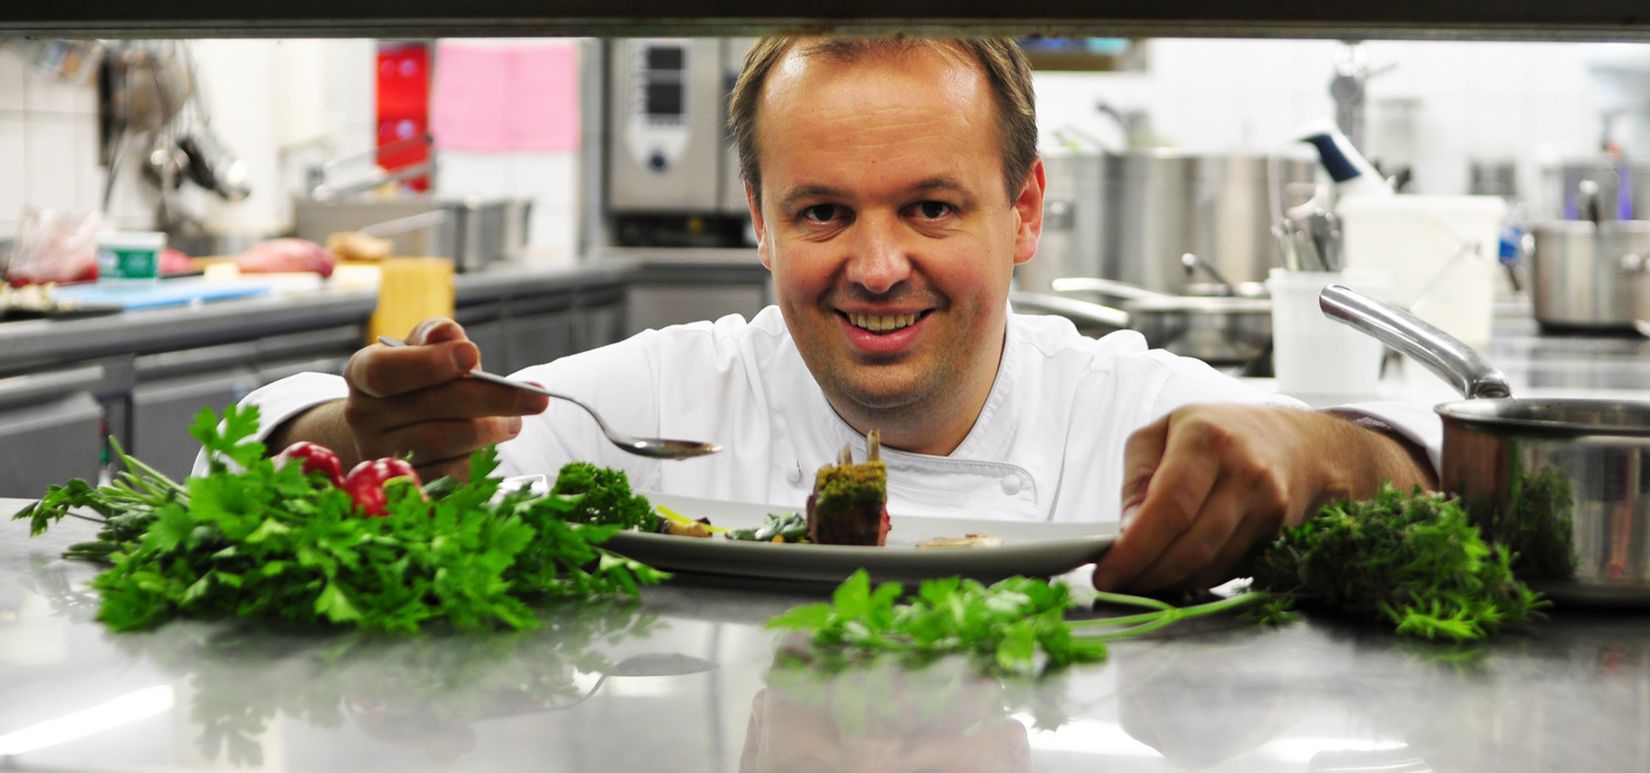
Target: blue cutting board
{"type": "Point", "coordinates": [172, 293]}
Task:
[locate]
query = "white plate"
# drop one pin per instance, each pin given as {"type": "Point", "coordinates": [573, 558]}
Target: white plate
{"type": "Point", "coordinates": [1031, 549]}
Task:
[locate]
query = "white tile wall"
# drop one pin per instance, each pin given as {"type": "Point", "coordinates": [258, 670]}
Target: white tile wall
{"type": "Point", "coordinates": [11, 81]}
{"type": "Point", "coordinates": [46, 158]}
{"type": "Point", "coordinates": [49, 166]}
{"type": "Point", "coordinates": [13, 171]}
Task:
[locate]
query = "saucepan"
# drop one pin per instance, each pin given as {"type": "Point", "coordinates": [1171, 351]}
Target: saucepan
{"type": "Point", "coordinates": [1562, 482]}
{"type": "Point", "coordinates": [1219, 329]}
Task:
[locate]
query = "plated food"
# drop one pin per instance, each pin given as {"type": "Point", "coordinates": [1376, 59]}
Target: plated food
{"type": "Point", "coordinates": [848, 506]}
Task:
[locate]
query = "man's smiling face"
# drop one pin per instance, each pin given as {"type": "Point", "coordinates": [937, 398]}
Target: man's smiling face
{"type": "Point", "coordinates": [892, 241]}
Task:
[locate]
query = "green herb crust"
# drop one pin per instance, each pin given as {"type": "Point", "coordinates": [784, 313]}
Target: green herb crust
{"type": "Point", "coordinates": [847, 505]}
{"type": "Point", "coordinates": [270, 543]}
{"type": "Point", "coordinates": [854, 487]}
{"type": "Point", "coordinates": [1412, 561]}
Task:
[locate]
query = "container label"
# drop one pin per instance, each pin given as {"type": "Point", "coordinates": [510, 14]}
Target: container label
{"type": "Point", "coordinates": [126, 263]}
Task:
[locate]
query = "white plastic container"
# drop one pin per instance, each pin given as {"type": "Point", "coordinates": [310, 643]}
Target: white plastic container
{"type": "Point", "coordinates": [1313, 354]}
{"type": "Point", "coordinates": [1441, 252]}
{"type": "Point", "coordinates": [129, 257]}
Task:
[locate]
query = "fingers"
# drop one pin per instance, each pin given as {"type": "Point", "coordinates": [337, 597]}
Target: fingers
{"type": "Point", "coordinates": [415, 400]}
{"type": "Point", "coordinates": [1141, 455]}
{"type": "Point", "coordinates": [436, 442]}
{"type": "Point", "coordinates": [380, 371]}
{"type": "Point", "coordinates": [436, 330]}
{"type": "Point", "coordinates": [1236, 515]}
{"type": "Point", "coordinates": [461, 399]}
{"type": "Point", "coordinates": [1175, 494]}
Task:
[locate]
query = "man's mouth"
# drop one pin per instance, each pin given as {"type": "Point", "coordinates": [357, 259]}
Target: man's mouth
{"type": "Point", "coordinates": [882, 323]}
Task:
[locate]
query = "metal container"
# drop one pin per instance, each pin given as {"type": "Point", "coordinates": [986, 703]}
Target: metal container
{"type": "Point", "coordinates": [478, 232]}
{"type": "Point", "coordinates": [1564, 483]}
{"type": "Point", "coordinates": [473, 232]}
{"type": "Point", "coordinates": [1583, 275]}
{"type": "Point", "coordinates": [1620, 188]}
{"type": "Point", "coordinates": [1072, 219]}
{"type": "Point", "coordinates": [1161, 204]}
{"type": "Point", "coordinates": [1220, 330]}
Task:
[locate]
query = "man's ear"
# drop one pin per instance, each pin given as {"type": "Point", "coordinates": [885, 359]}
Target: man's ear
{"type": "Point", "coordinates": [1028, 209]}
{"type": "Point", "coordinates": [763, 249]}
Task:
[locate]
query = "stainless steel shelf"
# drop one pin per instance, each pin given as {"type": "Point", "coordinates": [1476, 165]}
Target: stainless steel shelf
{"type": "Point", "coordinates": [1453, 19]}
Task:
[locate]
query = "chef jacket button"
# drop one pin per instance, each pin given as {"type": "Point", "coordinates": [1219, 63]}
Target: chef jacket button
{"type": "Point", "coordinates": [1011, 485]}
{"type": "Point", "coordinates": [794, 475]}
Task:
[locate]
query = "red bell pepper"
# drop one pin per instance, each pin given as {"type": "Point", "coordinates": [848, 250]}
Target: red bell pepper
{"type": "Point", "coordinates": [366, 483]}
{"type": "Point", "coordinates": [316, 458]}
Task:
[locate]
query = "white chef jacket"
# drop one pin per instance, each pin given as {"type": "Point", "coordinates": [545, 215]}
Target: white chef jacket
{"type": "Point", "coordinates": [1047, 446]}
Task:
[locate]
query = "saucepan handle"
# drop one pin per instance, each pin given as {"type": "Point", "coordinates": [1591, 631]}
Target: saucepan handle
{"type": "Point", "coordinates": [1440, 352]}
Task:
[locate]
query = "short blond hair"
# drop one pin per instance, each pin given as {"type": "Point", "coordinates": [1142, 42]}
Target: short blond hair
{"type": "Point", "coordinates": [1001, 59]}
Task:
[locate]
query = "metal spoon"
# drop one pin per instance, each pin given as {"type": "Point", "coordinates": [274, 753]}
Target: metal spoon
{"type": "Point", "coordinates": [657, 448]}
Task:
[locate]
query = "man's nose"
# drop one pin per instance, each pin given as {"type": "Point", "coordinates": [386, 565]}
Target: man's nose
{"type": "Point", "coordinates": [881, 256]}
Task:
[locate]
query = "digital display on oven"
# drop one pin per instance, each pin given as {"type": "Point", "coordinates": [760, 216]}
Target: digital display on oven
{"type": "Point", "coordinates": [665, 58]}
{"type": "Point", "coordinates": [662, 99]}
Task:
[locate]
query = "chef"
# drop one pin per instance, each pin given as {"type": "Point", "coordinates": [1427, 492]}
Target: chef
{"type": "Point", "coordinates": [894, 185]}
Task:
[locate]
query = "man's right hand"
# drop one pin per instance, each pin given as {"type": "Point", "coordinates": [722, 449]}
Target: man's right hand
{"type": "Point", "coordinates": [415, 401]}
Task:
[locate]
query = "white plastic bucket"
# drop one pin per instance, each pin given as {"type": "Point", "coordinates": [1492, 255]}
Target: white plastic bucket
{"type": "Point", "coordinates": [1312, 354]}
{"type": "Point", "coordinates": [1441, 252]}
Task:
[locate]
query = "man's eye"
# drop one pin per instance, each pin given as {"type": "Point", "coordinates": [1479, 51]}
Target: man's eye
{"type": "Point", "coordinates": [820, 213]}
{"type": "Point", "coordinates": [933, 210]}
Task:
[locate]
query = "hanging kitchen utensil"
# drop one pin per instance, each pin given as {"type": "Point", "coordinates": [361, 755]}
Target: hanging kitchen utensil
{"type": "Point", "coordinates": [149, 84]}
{"type": "Point", "coordinates": [1562, 482]}
{"type": "Point", "coordinates": [164, 165]}
{"type": "Point", "coordinates": [1284, 231]}
{"type": "Point", "coordinates": [211, 165]}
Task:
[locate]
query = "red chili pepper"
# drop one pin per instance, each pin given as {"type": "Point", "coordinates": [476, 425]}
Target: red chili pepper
{"type": "Point", "coordinates": [365, 484]}
{"type": "Point", "coordinates": [316, 458]}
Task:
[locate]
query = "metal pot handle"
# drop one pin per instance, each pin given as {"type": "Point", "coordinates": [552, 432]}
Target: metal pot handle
{"type": "Point", "coordinates": [1070, 308]}
{"type": "Point", "coordinates": [1443, 354]}
{"type": "Point", "coordinates": [1111, 287]}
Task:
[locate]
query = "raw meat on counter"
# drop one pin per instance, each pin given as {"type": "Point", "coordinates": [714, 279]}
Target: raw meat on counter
{"type": "Point", "coordinates": [286, 255]}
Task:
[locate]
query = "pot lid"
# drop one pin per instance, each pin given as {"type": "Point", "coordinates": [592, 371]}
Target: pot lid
{"type": "Point", "coordinates": [1563, 417]}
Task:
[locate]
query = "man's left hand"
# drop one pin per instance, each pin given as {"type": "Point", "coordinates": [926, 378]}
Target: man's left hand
{"type": "Point", "coordinates": [1205, 484]}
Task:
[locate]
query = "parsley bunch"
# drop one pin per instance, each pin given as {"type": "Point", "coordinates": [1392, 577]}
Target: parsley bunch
{"type": "Point", "coordinates": [1016, 626]}
{"type": "Point", "coordinates": [602, 496]}
{"type": "Point", "coordinates": [1412, 561]}
{"type": "Point", "coordinates": [257, 541]}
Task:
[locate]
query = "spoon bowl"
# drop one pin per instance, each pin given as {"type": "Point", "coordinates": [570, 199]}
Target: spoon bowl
{"type": "Point", "coordinates": [652, 447]}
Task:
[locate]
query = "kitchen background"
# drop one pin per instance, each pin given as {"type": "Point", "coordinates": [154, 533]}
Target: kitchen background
{"type": "Point", "coordinates": [1434, 108]}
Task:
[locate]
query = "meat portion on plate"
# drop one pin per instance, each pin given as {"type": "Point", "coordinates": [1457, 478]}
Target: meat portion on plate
{"type": "Point", "coordinates": [849, 503]}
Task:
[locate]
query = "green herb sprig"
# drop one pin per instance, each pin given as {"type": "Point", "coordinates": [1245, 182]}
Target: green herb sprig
{"type": "Point", "coordinates": [1410, 561]}
{"type": "Point", "coordinates": [258, 541]}
{"type": "Point", "coordinates": [1016, 626]}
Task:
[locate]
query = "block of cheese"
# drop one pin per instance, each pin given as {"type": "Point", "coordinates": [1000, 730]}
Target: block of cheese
{"type": "Point", "coordinates": [410, 291]}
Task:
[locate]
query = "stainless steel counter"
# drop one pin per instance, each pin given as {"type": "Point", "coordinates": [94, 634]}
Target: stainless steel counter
{"type": "Point", "coordinates": [686, 681]}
